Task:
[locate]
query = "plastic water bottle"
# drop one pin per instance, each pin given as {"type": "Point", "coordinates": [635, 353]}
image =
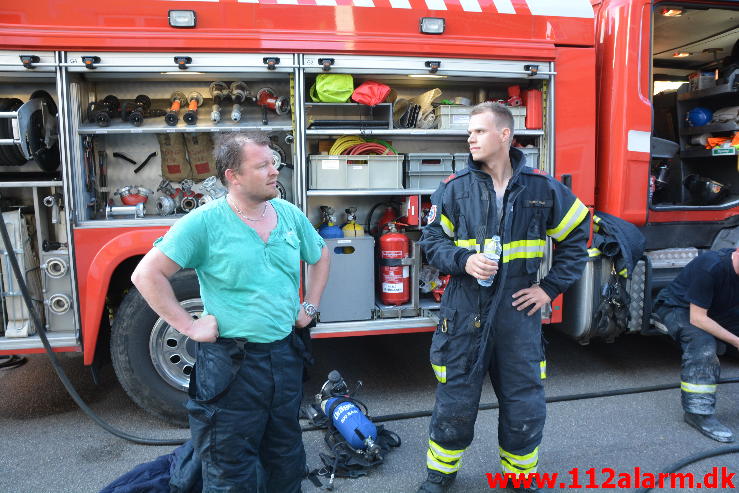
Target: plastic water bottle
{"type": "Point", "coordinates": [492, 251]}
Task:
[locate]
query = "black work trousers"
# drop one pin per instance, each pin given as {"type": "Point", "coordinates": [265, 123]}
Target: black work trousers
{"type": "Point", "coordinates": [244, 406]}
{"type": "Point", "coordinates": [700, 366]}
{"type": "Point", "coordinates": [514, 360]}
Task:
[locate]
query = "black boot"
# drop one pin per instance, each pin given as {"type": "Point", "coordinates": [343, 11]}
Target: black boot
{"type": "Point", "coordinates": [710, 426]}
{"type": "Point", "coordinates": [436, 482]}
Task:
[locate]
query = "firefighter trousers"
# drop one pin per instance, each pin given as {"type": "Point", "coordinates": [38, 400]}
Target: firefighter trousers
{"type": "Point", "coordinates": [514, 361]}
{"type": "Point", "coordinates": [700, 366]}
{"type": "Point", "coordinates": [243, 411]}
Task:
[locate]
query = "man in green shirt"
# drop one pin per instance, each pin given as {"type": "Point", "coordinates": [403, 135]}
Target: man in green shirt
{"type": "Point", "coordinates": [246, 389]}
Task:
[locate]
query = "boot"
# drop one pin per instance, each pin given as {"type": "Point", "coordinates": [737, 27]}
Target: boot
{"type": "Point", "coordinates": [436, 482]}
{"type": "Point", "coordinates": [709, 426]}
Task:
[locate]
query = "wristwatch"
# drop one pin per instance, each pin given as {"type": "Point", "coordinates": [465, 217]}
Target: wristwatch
{"type": "Point", "coordinates": [310, 310]}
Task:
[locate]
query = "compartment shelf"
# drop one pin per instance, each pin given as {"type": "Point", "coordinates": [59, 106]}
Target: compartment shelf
{"type": "Point", "coordinates": [412, 132]}
{"type": "Point", "coordinates": [707, 129]}
{"type": "Point", "coordinates": [696, 153]}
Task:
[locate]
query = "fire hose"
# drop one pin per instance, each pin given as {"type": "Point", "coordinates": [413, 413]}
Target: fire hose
{"type": "Point", "coordinates": [55, 361]}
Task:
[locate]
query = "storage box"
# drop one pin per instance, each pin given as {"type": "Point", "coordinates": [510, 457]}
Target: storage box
{"type": "Point", "coordinates": [460, 160]}
{"type": "Point", "coordinates": [426, 170]}
{"type": "Point", "coordinates": [350, 290]}
{"type": "Point", "coordinates": [453, 117]}
{"type": "Point", "coordinates": [355, 172]}
{"type": "Point", "coordinates": [701, 80]}
{"type": "Point", "coordinates": [531, 154]}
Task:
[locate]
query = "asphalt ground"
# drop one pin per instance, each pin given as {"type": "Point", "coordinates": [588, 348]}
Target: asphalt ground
{"type": "Point", "coordinates": [48, 445]}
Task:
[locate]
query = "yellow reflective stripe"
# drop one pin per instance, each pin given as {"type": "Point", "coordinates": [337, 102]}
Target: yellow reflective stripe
{"type": "Point", "coordinates": [440, 451]}
{"type": "Point", "coordinates": [696, 388]}
{"type": "Point", "coordinates": [440, 372]}
{"type": "Point", "coordinates": [574, 216]}
{"type": "Point", "coordinates": [442, 467]}
{"type": "Point", "coordinates": [469, 244]}
{"type": "Point", "coordinates": [518, 464]}
{"type": "Point", "coordinates": [624, 272]}
{"type": "Point", "coordinates": [596, 219]}
{"type": "Point", "coordinates": [594, 252]}
{"type": "Point", "coordinates": [523, 249]}
{"type": "Point", "coordinates": [543, 369]}
{"type": "Point", "coordinates": [447, 226]}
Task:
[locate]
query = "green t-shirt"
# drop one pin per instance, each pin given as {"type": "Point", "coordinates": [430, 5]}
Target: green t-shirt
{"type": "Point", "coordinates": [250, 286]}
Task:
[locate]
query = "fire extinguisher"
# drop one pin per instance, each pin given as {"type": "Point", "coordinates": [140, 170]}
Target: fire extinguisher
{"type": "Point", "coordinates": [394, 277]}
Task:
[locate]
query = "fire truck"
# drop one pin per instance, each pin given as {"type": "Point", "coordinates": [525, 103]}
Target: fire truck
{"type": "Point", "coordinates": [109, 112]}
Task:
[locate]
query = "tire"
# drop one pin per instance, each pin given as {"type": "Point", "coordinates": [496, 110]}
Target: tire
{"type": "Point", "coordinates": [153, 361]}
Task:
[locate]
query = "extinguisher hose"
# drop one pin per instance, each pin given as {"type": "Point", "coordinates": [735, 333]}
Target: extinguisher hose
{"type": "Point", "coordinates": [55, 361]}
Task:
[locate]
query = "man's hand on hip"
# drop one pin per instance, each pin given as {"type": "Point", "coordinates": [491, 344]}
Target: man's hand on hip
{"type": "Point", "coordinates": [303, 319]}
{"type": "Point", "coordinates": [203, 329]}
{"type": "Point", "coordinates": [531, 296]}
{"type": "Point", "coordinates": [480, 267]}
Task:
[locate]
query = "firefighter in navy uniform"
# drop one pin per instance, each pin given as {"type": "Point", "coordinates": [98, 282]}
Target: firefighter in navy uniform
{"type": "Point", "coordinates": [496, 329]}
{"type": "Point", "coordinates": [699, 306]}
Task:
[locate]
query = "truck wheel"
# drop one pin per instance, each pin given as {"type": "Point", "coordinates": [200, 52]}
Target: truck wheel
{"type": "Point", "coordinates": [152, 360]}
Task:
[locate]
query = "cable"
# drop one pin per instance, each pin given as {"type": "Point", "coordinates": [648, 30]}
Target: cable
{"type": "Point", "coordinates": [55, 362]}
{"type": "Point", "coordinates": [695, 458]}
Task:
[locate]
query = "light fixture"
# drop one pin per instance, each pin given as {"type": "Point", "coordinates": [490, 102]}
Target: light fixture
{"type": "Point", "coordinates": [182, 18]}
{"type": "Point", "coordinates": [432, 25]}
{"type": "Point", "coordinates": [427, 76]}
{"type": "Point", "coordinates": [672, 12]}
{"type": "Point", "coordinates": [681, 54]}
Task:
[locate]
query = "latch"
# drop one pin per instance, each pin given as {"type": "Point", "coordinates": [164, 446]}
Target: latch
{"type": "Point", "coordinates": [531, 69]}
{"type": "Point", "coordinates": [271, 62]}
{"type": "Point", "coordinates": [182, 62]}
{"type": "Point", "coordinates": [29, 60]}
{"type": "Point", "coordinates": [433, 66]}
{"type": "Point", "coordinates": [90, 61]}
{"type": "Point", "coordinates": [326, 62]}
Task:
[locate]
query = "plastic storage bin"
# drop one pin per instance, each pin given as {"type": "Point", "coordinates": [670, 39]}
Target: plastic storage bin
{"type": "Point", "coordinates": [453, 117]}
{"type": "Point", "coordinates": [426, 170]}
{"type": "Point", "coordinates": [531, 153]}
{"type": "Point", "coordinates": [355, 172]}
{"type": "Point", "coordinates": [350, 290]}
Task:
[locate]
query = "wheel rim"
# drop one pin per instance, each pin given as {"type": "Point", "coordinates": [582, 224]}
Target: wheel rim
{"type": "Point", "coordinates": [172, 353]}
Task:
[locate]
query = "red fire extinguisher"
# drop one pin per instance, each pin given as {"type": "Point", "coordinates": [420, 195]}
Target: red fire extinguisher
{"type": "Point", "coordinates": [394, 278]}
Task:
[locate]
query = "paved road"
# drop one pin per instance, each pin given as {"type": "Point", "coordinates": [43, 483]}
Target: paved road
{"type": "Point", "coordinates": [48, 445]}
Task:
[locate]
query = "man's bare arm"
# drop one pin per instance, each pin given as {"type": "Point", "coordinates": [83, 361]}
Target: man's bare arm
{"type": "Point", "coordinates": [151, 278]}
{"type": "Point", "coordinates": [699, 317]}
{"type": "Point", "coordinates": [317, 278]}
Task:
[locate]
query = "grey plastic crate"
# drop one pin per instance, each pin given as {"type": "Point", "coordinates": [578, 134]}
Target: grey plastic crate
{"type": "Point", "coordinates": [531, 153]}
{"type": "Point", "coordinates": [426, 180]}
{"type": "Point", "coordinates": [350, 290]}
{"type": "Point", "coordinates": [355, 172]}
{"type": "Point", "coordinates": [424, 162]}
{"type": "Point", "coordinates": [460, 160]}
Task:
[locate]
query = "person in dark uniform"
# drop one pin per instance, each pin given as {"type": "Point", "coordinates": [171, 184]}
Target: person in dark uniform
{"type": "Point", "coordinates": [698, 307]}
{"type": "Point", "coordinates": [496, 329]}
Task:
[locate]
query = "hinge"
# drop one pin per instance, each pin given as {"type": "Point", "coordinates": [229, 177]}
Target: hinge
{"type": "Point", "coordinates": [271, 62]}
{"type": "Point", "coordinates": [182, 62]}
{"type": "Point", "coordinates": [90, 61]}
{"type": "Point", "coordinates": [433, 66]}
{"type": "Point", "coordinates": [326, 62]}
{"type": "Point", "coordinates": [29, 60]}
